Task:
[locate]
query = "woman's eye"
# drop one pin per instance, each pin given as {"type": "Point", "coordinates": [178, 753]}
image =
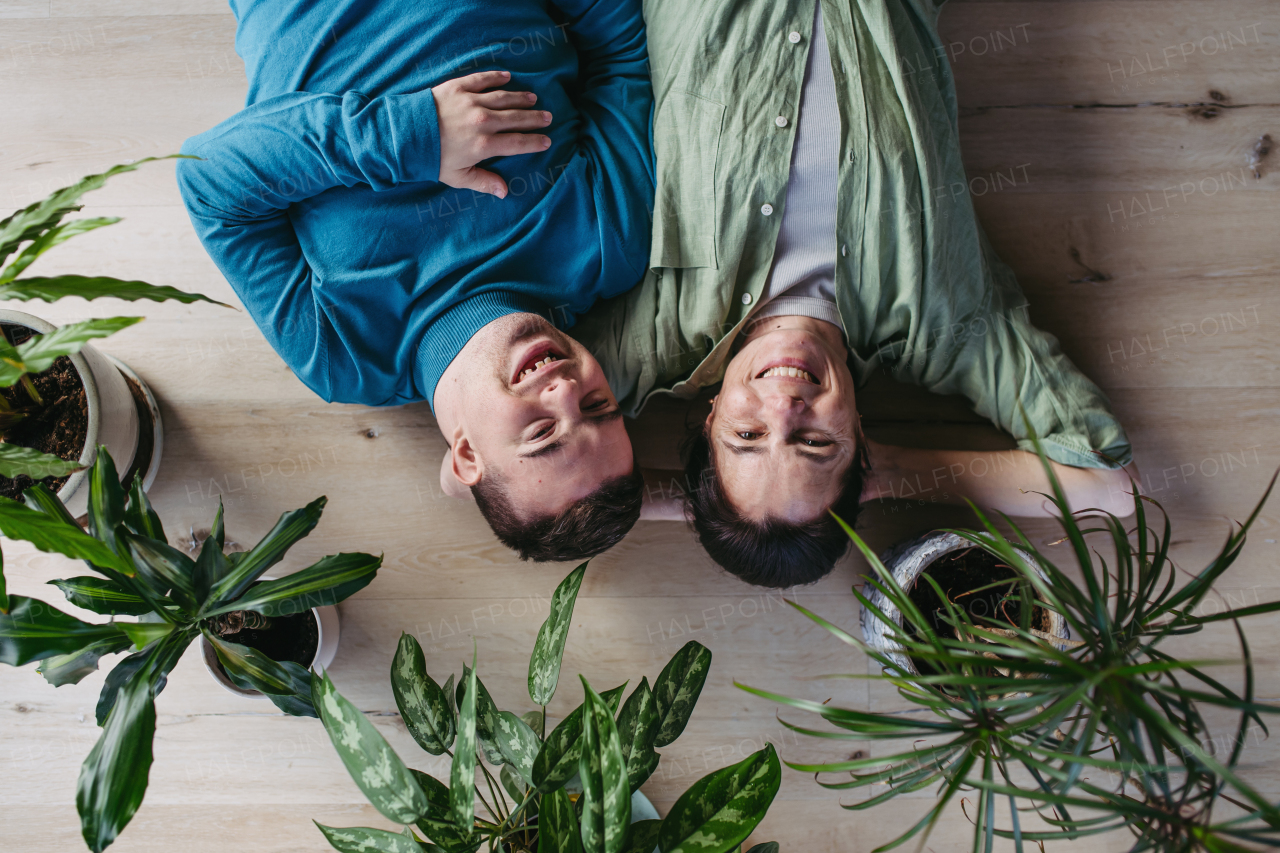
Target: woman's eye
{"type": "Point", "coordinates": [597, 406]}
{"type": "Point", "coordinates": [815, 442]}
{"type": "Point", "coordinates": [748, 436]}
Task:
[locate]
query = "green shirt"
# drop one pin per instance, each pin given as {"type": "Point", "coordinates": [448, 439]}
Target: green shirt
{"type": "Point", "coordinates": [921, 293]}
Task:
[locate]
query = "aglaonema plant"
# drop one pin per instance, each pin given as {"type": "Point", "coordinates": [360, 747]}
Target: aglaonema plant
{"type": "Point", "coordinates": [1106, 731]}
{"type": "Point", "coordinates": [137, 573]}
{"type": "Point", "coordinates": [600, 752]}
{"type": "Point", "coordinates": [24, 237]}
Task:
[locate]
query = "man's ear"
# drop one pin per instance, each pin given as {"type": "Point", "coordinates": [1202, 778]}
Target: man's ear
{"type": "Point", "coordinates": [466, 464]}
{"type": "Point", "coordinates": [449, 483]}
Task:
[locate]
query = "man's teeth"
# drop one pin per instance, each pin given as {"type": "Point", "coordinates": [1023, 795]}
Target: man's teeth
{"type": "Point", "coordinates": [793, 372]}
{"type": "Point", "coordinates": [550, 358]}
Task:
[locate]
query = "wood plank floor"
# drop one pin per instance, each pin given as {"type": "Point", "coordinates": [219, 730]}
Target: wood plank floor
{"type": "Point", "coordinates": [1111, 151]}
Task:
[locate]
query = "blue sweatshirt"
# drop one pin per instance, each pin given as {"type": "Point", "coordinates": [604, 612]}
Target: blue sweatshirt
{"type": "Point", "coordinates": [320, 202]}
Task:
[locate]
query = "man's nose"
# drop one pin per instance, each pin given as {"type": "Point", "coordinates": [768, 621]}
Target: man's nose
{"type": "Point", "coordinates": [561, 390]}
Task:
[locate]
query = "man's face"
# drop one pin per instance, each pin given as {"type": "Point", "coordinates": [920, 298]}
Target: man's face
{"type": "Point", "coordinates": [541, 417]}
{"type": "Point", "coordinates": [783, 429]}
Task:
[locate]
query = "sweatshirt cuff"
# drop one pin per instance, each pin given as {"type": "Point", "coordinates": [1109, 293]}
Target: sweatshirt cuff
{"type": "Point", "coordinates": [415, 131]}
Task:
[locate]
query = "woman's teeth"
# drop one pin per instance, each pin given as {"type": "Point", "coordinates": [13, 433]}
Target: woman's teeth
{"type": "Point", "coordinates": [793, 372]}
{"type": "Point", "coordinates": [550, 358]}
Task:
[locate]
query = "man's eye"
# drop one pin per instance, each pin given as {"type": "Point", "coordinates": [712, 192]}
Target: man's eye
{"type": "Point", "coordinates": [541, 432]}
{"type": "Point", "coordinates": [748, 436]}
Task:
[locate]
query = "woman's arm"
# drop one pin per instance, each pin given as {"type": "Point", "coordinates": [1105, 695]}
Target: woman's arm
{"type": "Point", "coordinates": [1003, 480]}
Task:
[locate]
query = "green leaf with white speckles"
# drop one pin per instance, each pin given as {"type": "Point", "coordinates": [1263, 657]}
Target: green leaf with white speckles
{"type": "Point", "coordinates": [519, 744]}
{"type": "Point", "coordinates": [548, 651]}
{"type": "Point", "coordinates": [423, 705]}
{"type": "Point", "coordinates": [486, 718]}
{"type": "Point", "coordinates": [767, 847]}
{"type": "Point", "coordinates": [462, 797]}
{"type": "Point", "coordinates": [557, 761]}
{"type": "Point", "coordinates": [436, 826]}
{"type": "Point", "coordinates": [720, 810]}
{"type": "Point", "coordinates": [638, 731]}
{"type": "Point", "coordinates": [363, 839]}
{"type": "Point", "coordinates": [677, 689]}
{"type": "Point", "coordinates": [642, 836]}
{"type": "Point", "coordinates": [370, 760]}
{"type": "Point", "coordinates": [558, 825]}
{"type": "Point", "coordinates": [606, 797]}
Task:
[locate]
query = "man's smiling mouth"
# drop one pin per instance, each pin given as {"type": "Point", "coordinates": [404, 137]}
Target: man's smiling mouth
{"type": "Point", "coordinates": [789, 373]}
{"type": "Point", "coordinates": [536, 363]}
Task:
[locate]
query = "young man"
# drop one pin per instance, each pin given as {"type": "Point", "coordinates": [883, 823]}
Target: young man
{"type": "Point", "coordinates": [812, 216]}
{"type": "Point", "coordinates": [346, 207]}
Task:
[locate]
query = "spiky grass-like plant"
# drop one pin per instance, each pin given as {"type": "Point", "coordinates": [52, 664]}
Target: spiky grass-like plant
{"type": "Point", "coordinates": [1020, 719]}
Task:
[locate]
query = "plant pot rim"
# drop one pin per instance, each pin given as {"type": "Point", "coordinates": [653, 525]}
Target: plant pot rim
{"type": "Point", "coordinates": [898, 559]}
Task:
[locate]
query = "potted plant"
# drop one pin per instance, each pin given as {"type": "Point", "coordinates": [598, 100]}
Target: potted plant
{"type": "Point", "coordinates": [601, 753]}
{"type": "Point", "coordinates": [59, 397]}
{"type": "Point", "coordinates": [1106, 731]}
{"type": "Point", "coordinates": [177, 599]}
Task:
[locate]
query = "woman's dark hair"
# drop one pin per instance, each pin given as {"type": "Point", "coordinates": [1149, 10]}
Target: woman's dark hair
{"type": "Point", "coordinates": [773, 552]}
{"type": "Point", "coordinates": [583, 529]}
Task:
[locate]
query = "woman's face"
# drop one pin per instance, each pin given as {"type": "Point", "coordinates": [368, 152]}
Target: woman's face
{"type": "Point", "coordinates": [784, 429]}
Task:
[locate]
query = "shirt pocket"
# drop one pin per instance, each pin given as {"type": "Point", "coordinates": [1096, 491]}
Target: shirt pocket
{"type": "Point", "coordinates": [686, 138]}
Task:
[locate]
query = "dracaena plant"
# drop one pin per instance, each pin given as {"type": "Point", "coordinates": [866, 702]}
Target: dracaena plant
{"type": "Point", "coordinates": [24, 237]}
{"type": "Point", "coordinates": [1106, 731]}
{"type": "Point", "coordinates": [604, 755]}
{"type": "Point", "coordinates": [137, 573]}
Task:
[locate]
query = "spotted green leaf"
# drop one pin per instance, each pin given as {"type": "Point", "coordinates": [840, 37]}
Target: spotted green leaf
{"type": "Point", "coordinates": [113, 778]}
{"type": "Point", "coordinates": [486, 719]}
{"type": "Point", "coordinates": [436, 825]}
{"type": "Point", "coordinates": [33, 630]}
{"type": "Point", "coordinates": [548, 651]}
{"type": "Point", "coordinates": [606, 798]}
{"type": "Point", "coordinates": [423, 705]}
{"type": "Point", "coordinates": [767, 847]}
{"type": "Point", "coordinates": [463, 773]}
{"type": "Point", "coordinates": [637, 731]}
{"type": "Point", "coordinates": [722, 808]}
{"type": "Point", "coordinates": [511, 782]}
{"type": "Point", "coordinates": [370, 760]}
{"type": "Point", "coordinates": [70, 668]}
{"type": "Point", "coordinates": [558, 825]}
{"type": "Point", "coordinates": [518, 743]}
{"type": "Point", "coordinates": [363, 839]}
{"type": "Point", "coordinates": [102, 596]}
{"type": "Point", "coordinates": [642, 836]}
{"type": "Point", "coordinates": [677, 689]}
{"type": "Point", "coordinates": [557, 761]}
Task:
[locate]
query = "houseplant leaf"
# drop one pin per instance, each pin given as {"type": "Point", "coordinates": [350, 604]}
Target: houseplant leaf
{"type": "Point", "coordinates": [52, 535]}
{"type": "Point", "coordinates": [139, 516]}
{"type": "Point", "coordinates": [436, 826]}
{"type": "Point", "coordinates": [265, 674]}
{"type": "Point", "coordinates": [39, 498]}
{"type": "Point", "coordinates": [558, 825]}
{"type": "Point", "coordinates": [106, 504]}
{"type": "Point", "coordinates": [34, 630]}
{"type": "Point", "coordinates": [766, 847]}
{"type": "Point", "coordinates": [642, 837]}
{"type": "Point", "coordinates": [370, 760]}
{"type": "Point", "coordinates": [153, 665]}
{"type": "Point", "coordinates": [548, 651]}
{"type": "Point", "coordinates": [518, 743]}
{"type": "Point", "coordinates": [163, 567]}
{"type": "Point", "coordinates": [96, 287]}
{"type": "Point", "coordinates": [248, 567]}
{"type": "Point", "coordinates": [101, 596]}
{"type": "Point", "coordinates": [423, 705]}
{"type": "Point", "coordinates": [327, 581]}
{"type": "Point", "coordinates": [211, 564]}
{"type": "Point", "coordinates": [363, 839]}
{"type": "Point", "coordinates": [16, 460]}
{"type": "Point", "coordinates": [38, 354]}
{"type": "Point", "coordinates": [638, 731]}
{"type": "Point", "coordinates": [557, 761]}
{"type": "Point", "coordinates": [70, 668]}
{"type": "Point", "coordinates": [463, 772]}
{"type": "Point", "coordinates": [53, 236]}
{"type": "Point", "coordinates": [722, 808]}
{"type": "Point", "coordinates": [486, 718]}
{"type": "Point", "coordinates": [113, 779]}
{"type": "Point", "coordinates": [677, 689]}
{"type": "Point", "coordinates": [606, 798]}
{"type": "Point", "coordinates": [144, 634]}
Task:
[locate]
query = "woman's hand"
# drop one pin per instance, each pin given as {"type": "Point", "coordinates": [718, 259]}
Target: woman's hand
{"type": "Point", "coordinates": [476, 124]}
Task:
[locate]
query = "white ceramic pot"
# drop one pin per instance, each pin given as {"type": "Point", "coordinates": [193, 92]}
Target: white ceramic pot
{"type": "Point", "coordinates": [112, 416]}
{"type": "Point", "coordinates": [906, 561]}
{"type": "Point", "coordinates": [327, 625]}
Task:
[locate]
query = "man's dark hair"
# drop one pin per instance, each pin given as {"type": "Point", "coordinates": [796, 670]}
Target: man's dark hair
{"type": "Point", "coordinates": [583, 529]}
{"type": "Point", "coordinates": [775, 552]}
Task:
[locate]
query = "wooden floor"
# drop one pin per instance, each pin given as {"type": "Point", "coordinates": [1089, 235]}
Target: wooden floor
{"type": "Point", "coordinates": [1110, 146]}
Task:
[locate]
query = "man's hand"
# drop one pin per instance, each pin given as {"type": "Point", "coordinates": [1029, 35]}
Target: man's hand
{"type": "Point", "coordinates": [476, 124]}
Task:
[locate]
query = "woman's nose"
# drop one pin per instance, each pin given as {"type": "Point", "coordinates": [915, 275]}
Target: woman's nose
{"type": "Point", "coordinates": [785, 403]}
